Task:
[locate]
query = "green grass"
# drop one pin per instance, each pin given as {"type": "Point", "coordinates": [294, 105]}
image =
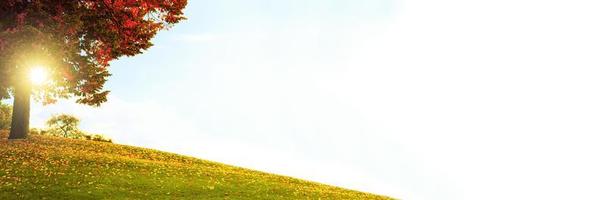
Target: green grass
{"type": "Point", "coordinates": [58, 168]}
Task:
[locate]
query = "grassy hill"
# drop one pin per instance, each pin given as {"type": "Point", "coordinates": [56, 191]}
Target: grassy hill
{"type": "Point", "coordinates": [58, 168]}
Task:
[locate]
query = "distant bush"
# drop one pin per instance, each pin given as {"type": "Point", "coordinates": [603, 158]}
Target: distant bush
{"type": "Point", "coordinates": [80, 135]}
{"type": "Point", "coordinates": [99, 138]}
{"type": "Point", "coordinates": [6, 113]}
{"type": "Point", "coordinates": [36, 131]}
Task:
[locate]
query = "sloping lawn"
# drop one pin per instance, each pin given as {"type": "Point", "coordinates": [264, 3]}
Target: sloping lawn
{"type": "Point", "coordinates": [58, 168]}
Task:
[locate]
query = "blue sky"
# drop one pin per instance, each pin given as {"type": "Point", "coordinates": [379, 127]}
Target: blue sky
{"type": "Point", "coordinates": [414, 99]}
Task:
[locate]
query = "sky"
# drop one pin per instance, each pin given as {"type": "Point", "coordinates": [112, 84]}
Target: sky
{"type": "Point", "coordinates": [416, 99]}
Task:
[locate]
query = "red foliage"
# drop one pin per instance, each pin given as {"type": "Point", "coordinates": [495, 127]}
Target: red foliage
{"type": "Point", "coordinates": [81, 37]}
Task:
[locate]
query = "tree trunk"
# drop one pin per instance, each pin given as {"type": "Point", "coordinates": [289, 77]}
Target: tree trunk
{"type": "Point", "coordinates": [20, 123]}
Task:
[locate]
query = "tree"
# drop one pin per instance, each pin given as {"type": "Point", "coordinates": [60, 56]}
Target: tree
{"type": "Point", "coordinates": [75, 40]}
{"type": "Point", "coordinates": [5, 116]}
{"type": "Point", "coordinates": [64, 125]}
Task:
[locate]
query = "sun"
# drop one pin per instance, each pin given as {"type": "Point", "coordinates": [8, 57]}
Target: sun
{"type": "Point", "coordinates": [38, 75]}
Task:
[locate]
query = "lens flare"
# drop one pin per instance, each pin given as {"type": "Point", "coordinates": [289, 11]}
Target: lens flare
{"type": "Point", "coordinates": [38, 75]}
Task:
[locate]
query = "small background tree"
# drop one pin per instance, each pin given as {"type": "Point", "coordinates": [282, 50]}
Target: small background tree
{"type": "Point", "coordinates": [64, 126]}
{"type": "Point", "coordinates": [6, 113]}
